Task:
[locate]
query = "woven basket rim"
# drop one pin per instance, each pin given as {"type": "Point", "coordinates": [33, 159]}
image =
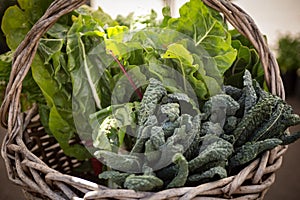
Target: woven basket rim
{"type": "Point", "coordinates": [42, 178]}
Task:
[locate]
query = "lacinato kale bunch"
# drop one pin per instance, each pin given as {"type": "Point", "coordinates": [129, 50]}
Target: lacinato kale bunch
{"type": "Point", "coordinates": [171, 148]}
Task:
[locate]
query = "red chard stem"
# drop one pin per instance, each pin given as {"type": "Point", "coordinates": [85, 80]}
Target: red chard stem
{"type": "Point", "coordinates": [136, 89]}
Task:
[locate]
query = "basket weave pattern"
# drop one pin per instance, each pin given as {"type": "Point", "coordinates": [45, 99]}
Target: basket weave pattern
{"type": "Point", "coordinates": [35, 161]}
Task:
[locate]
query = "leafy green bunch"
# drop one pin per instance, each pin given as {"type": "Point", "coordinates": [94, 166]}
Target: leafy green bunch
{"type": "Point", "coordinates": [150, 101]}
{"type": "Point", "coordinates": [63, 70]}
{"type": "Point", "coordinates": [78, 66]}
{"type": "Point", "coordinates": [172, 148]}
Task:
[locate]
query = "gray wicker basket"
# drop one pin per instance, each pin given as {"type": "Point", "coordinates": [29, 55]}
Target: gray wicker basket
{"type": "Point", "coordinates": [35, 162]}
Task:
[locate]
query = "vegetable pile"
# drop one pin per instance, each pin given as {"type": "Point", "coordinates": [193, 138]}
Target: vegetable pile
{"type": "Point", "coordinates": [177, 103]}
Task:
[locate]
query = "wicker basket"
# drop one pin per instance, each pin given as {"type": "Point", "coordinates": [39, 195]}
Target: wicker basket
{"type": "Point", "coordinates": [35, 161]}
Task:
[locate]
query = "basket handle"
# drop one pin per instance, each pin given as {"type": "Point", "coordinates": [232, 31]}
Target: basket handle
{"type": "Point", "coordinates": [25, 52]}
{"type": "Point", "coordinates": [24, 55]}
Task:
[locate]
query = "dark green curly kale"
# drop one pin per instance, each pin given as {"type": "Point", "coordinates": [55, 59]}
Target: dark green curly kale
{"type": "Point", "coordinates": [127, 163]}
{"type": "Point", "coordinates": [215, 172]}
{"type": "Point", "coordinates": [261, 94]}
{"type": "Point", "coordinates": [178, 148]}
{"type": "Point", "coordinates": [230, 124]}
{"type": "Point", "coordinates": [270, 127]}
{"type": "Point", "coordinates": [157, 139]}
{"type": "Point", "coordinates": [288, 139]}
{"type": "Point", "coordinates": [287, 120]}
{"type": "Point", "coordinates": [169, 127]}
{"type": "Point", "coordinates": [143, 182]}
{"type": "Point", "coordinates": [256, 117]}
{"type": "Point", "coordinates": [234, 92]}
{"type": "Point", "coordinates": [194, 135]}
{"type": "Point", "coordinates": [187, 104]}
{"type": "Point", "coordinates": [250, 151]}
{"type": "Point", "coordinates": [249, 91]}
{"type": "Point", "coordinates": [116, 177]}
{"type": "Point", "coordinates": [218, 107]}
{"type": "Point", "coordinates": [182, 173]}
{"type": "Point", "coordinates": [211, 128]}
{"type": "Point", "coordinates": [152, 96]}
{"type": "Point", "coordinates": [213, 149]}
{"type": "Point", "coordinates": [171, 110]}
{"type": "Point", "coordinates": [143, 134]}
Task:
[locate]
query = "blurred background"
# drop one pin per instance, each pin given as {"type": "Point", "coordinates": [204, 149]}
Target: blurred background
{"type": "Point", "coordinates": [277, 19]}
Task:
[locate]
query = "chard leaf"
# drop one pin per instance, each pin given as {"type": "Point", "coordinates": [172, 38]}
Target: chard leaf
{"type": "Point", "coordinates": [30, 91]}
{"type": "Point", "coordinates": [166, 11]}
{"type": "Point", "coordinates": [178, 51]}
{"type": "Point", "coordinates": [123, 89]}
{"type": "Point", "coordinates": [116, 32]}
{"type": "Point", "coordinates": [247, 59]}
{"type": "Point", "coordinates": [83, 38]}
{"type": "Point", "coordinates": [60, 120]}
{"type": "Point", "coordinates": [15, 26]}
{"type": "Point", "coordinates": [34, 9]}
{"type": "Point", "coordinates": [5, 66]}
{"type": "Point", "coordinates": [103, 18]}
{"type": "Point", "coordinates": [59, 31]}
{"type": "Point", "coordinates": [207, 30]}
{"type": "Point", "coordinates": [49, 48]}
{"type": "Point", "coordinates": [18, 20]}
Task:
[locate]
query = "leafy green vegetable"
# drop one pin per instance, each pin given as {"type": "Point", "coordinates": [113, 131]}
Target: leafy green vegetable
{"type": "Point", "coordinates": [19, 19]}
{"type": "Point", "coordinates": [142, 182]}
{"type": "Point", "coordinates": [89, 67]}
{"type": "Point", "coordinates": [220, 106]}
{"type": "Point", "coordinates": [207, 30]}
{"type": "Point", "coordinates": [4, 5]}
{"type": "Point", "coordinates": [210, 174]}
{"type": "Point", "coordinates": [247, 58]}
{"type": "Point", "coordinates": [288, 139]}
{"type": "Point", "coordinates": [130, 163]}
{"type": "Point", "coordinates": [153, 94]}
{"type": "Point", "coordinates": [111, 124]}
{"type": "Point", "coordinates": [250, 151]}
{"type": "Point", "coordinates": [116, 177]}
{"type": "Point", "coordinates": [183, 171]}
{"type": "Point", "coordinates": [214, 149]}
